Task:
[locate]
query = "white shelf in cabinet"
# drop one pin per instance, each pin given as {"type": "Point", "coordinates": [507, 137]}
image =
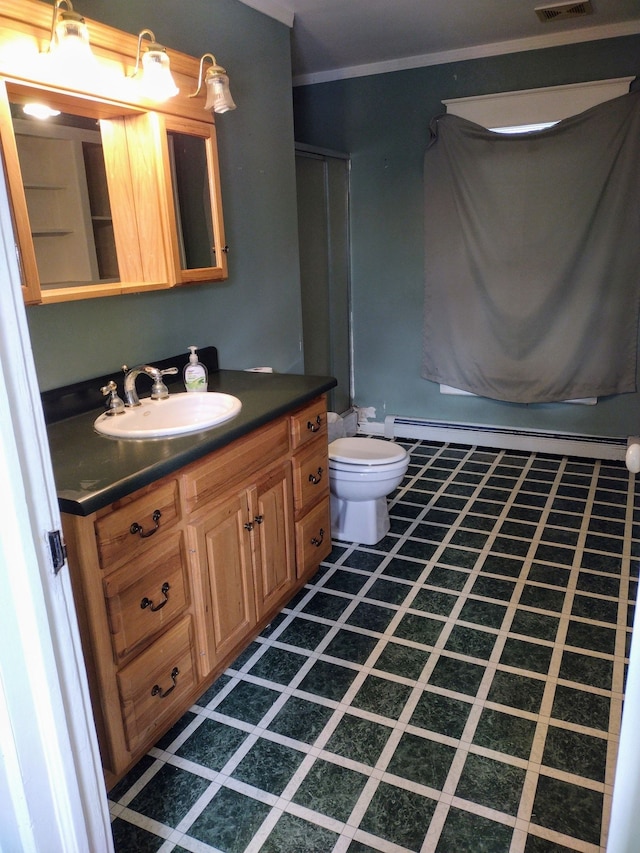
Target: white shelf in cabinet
{"type": "Point", "coordinates": [30, 185]}
{"type": "Point", "coordinates": [51, 232]}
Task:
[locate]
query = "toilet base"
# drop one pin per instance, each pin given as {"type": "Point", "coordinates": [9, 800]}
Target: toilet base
{"type": "Point", "coordinates": [366, 522]}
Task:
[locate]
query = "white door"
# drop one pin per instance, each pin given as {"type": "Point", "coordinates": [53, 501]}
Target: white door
{"type": "Point", "coordinates": [52, 795]}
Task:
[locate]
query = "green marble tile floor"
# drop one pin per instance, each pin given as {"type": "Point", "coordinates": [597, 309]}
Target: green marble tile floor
{"type": "Point", "coordinates": [456, 688]}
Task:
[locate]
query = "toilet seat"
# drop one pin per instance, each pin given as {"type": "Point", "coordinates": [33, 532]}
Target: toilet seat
{"type": "Point", "coordinates": [365, 452]}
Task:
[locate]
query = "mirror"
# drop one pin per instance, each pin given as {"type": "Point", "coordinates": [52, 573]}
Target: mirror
{"type": "Point", "coordinates": [65, 184]}
{"type": "Point", "coordinates": [192, 200]}
{"type": "Point", "coordinates": [200, 251]}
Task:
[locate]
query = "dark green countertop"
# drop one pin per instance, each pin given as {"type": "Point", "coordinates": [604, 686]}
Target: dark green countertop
{"type": "Point", "coordinates": [91, 470]}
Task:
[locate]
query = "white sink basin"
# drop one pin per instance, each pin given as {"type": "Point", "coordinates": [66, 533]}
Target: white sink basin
{"type": "Point", "coordinates": [176, 415]}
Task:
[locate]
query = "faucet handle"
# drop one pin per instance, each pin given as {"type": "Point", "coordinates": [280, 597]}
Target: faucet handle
{"type": "Point", "coordinates": [159, 390]}
{"type": "Point", "coordinates": [115, 406]}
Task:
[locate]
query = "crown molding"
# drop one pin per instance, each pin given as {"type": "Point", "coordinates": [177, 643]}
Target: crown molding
{"type": "Point", "coordinates": [273, 9]}
{"type": "Point", "coordinates": [477, 52]}
{"type": "Point", "coordinates": [281, 12]}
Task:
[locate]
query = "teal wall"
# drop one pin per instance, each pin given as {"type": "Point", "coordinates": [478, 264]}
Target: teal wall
{"type": "Point", "coordinates": [382, 122]}
{"type": "Point", "coordinates": [254, 318]}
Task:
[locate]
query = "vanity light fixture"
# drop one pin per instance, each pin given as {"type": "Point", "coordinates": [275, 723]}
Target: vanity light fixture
{"type": "Point", "coordinates": [215, 79]}
{"type": "Point", "coordinates": [69, 41]}
{"type": "Point", "coordinates": [157, 82]}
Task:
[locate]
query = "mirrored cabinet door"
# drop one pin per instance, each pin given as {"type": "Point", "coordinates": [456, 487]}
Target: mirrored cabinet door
{"type": "Point", "coordinates": [60, 200]}
{"type": "Point", "coordinates": [25, 253]}
{"type": "Point", "coordinates": [65, 186]}
{"type": "Point", "coordinates": [200, 252]}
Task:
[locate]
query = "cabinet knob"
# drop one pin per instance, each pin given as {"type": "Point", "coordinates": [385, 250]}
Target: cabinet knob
{"type": "Point", "coordinates": [138, 528]}
{"type": "Point", "coordinates": [314, 426]}
{"type": "Point", "coordinates": [156, 690]}
{"type": "Point", "coordinates": [146, 602]}
{"type": "Point", "coordinates": [248, 525]}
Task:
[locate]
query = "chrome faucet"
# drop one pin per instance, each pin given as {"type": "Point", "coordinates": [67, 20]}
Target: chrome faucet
{"type": "Point", "coordinates": [159, 390]}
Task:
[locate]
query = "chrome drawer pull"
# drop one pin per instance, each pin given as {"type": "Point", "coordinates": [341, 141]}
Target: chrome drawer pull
{"type": "Point", "coordinates": [318, 542]}
{"type": "Point", "coordinates": [259, 519]}
{"type": "Point", "coordinates": [314, 427]}
{"type": "Point", "coordinates": [156, 690]}
{"type": "Point", "coordinates": [315, 478]}
{"type": "Point", "coordinates": [138, 528]}
{"type": "Point", "coordinates": [146, 602]}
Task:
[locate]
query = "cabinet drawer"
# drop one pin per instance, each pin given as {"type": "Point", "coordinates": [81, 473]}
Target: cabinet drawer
{"type": "Point", "coordinates": [309, 423]}
{"type": "Point", "coordinates": [133, 526]}
{"type": "Point", "coordinates": [144, 598]}
{"type": "Point", "coordinates": [156, 684]}
{"type": "Point", "coordinates": [313, 538]}
{"type": "Point", "coordinates": [209, 477]}
{"type": "Point", "coordinates": [310, 475]}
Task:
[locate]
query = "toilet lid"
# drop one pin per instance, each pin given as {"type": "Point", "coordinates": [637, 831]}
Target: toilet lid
{"type": "Point", "coordinates": [365, 451]}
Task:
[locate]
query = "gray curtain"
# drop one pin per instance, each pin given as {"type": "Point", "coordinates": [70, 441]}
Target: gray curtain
{"type": "Point", "coordinates": [532, 256]}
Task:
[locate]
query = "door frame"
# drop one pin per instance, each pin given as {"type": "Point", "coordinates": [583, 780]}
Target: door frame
{"type": "Point", "coordinates": [324, 155]}
{"type": "Point", "coordinates": [52, 791]}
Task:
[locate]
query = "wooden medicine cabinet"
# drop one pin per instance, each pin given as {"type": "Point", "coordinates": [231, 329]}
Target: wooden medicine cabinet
{"type": "Point", "coordinates": [116, 194]}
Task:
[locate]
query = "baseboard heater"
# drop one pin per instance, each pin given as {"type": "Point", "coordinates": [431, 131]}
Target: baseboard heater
{"type": "Point", "coordinates": [542, 441]}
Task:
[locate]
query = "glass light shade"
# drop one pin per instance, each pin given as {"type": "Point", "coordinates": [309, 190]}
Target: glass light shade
{"type": "Point", "coordinates": [157, 81]}
{"type": "Point", "coordinates": [218, 95]}
{"type": "Point", "coordinates": [70, 43]}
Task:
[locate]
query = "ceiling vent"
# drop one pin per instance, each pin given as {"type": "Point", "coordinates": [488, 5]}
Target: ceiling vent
{"type": "Point", "coordinates": [563, 11]}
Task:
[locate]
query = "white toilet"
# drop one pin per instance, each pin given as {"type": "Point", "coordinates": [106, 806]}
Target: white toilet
{"type": "Point", "coordinates": [362, 472]}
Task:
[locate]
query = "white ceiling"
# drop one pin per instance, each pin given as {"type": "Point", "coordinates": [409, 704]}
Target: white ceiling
{"type": "Point", "coordinates": [333, 39]}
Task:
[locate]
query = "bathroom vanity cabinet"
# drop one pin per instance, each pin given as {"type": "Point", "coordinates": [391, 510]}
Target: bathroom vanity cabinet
{"type": "Point", "coordinates": [172, 581]}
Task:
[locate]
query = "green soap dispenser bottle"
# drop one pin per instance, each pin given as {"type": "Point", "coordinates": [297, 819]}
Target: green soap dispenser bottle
{"type": "Point", "coordinates": [195, 373]}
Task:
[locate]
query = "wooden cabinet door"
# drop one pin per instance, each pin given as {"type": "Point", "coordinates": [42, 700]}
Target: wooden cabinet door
{"type": "Point", "coordinates": [273, 542]}
{"type": "Point", "coordinates": [221, 546]}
